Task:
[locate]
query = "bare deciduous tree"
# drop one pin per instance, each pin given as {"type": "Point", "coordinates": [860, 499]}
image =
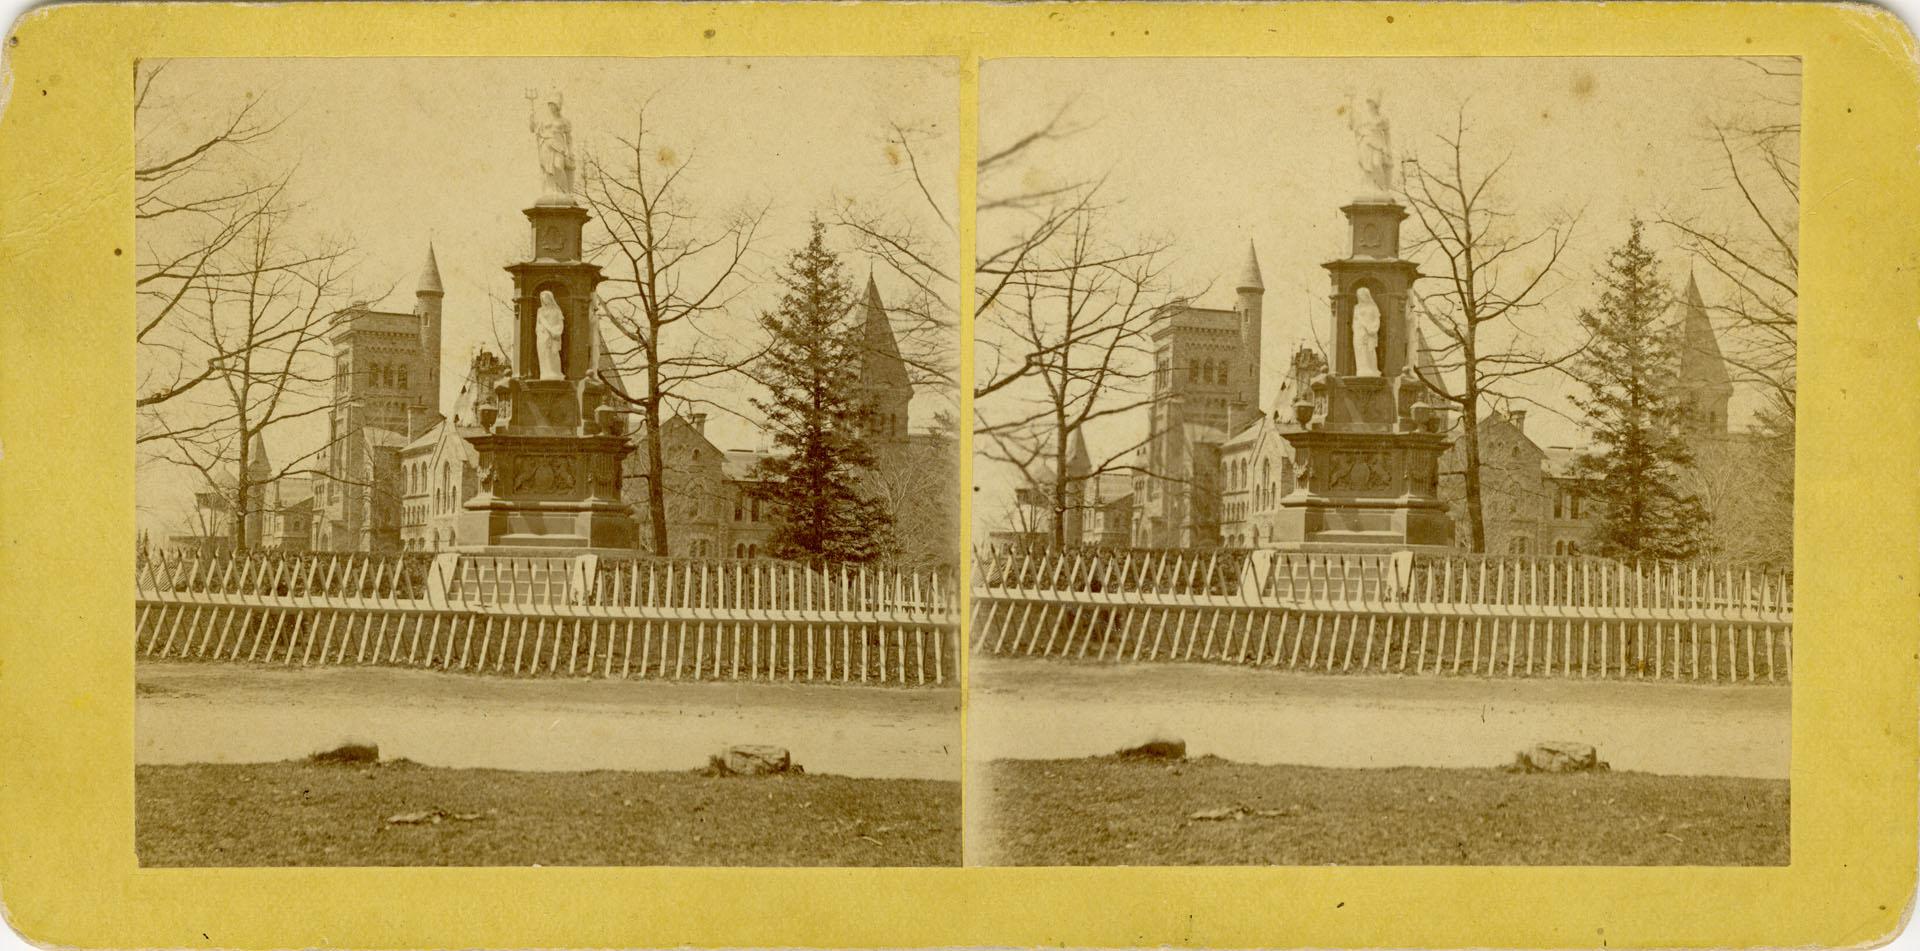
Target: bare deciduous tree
{"type": "Point", "coordinates": [1755, 247]}
{"type": "Point", "coordinates": [258, 319]}
{"type": "Point", "coordinates": [1493, 277]}
{"type": "Point", "coordinates": [1077, 316]}
{"type": "Point", "coordinates": [194, 198]}
{"type": "Point", "coordinates": [673, 272]}
{"type": "Point", "coordinates": [915, 240]}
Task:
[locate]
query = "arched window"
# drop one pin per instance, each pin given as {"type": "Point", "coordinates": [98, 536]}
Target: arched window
{"type": "Point", "coordinates": [403, 378]}
{"type": "Point", "coordinates": [1193, 373]}
{"type": "Point", "coordinates": [1223, 371]}
{"type": "Point", "coordinates": [753, 551]}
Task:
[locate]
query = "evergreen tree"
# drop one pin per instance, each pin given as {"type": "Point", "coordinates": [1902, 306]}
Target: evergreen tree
{"type": "Point", "coordinates": [1634, 417]}
{"type": "Point", "coordinates": [812, 372]}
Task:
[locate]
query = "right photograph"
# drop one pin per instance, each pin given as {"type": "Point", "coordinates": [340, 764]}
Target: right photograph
{"type": "Point", "coordinates": [1383, 461]}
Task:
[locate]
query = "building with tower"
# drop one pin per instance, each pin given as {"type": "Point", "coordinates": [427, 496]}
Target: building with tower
{"type": "Point", "coordinates": [386, 392]}
{"type": "Point", "coordinates": [1205, 389]}
{"type": "Point", "coordinates": [1533, 497]}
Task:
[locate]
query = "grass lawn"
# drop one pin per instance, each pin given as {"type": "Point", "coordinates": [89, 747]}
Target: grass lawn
{"type": "Point", "coordinates": [1111, 811]}
{"type": "Point", "coordinates": [300, 813]}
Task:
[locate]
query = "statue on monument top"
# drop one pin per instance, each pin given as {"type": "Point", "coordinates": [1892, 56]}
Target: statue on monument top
{"type": "Point", "coordinates": [553, 136]}
{"type": "Point", "coordinates": [1375, 143]}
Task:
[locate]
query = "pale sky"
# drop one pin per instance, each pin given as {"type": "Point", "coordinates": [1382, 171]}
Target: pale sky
{"type": "Point", "coordinates": [1209, 153]}
{"type": "Point", "coordinates": [394, 153]}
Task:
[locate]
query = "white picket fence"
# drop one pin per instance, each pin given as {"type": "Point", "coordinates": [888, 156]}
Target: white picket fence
{"type": "Point", "coordinates": [1388, 613]}
{"type": "Point", "coordinates": [531, 616]}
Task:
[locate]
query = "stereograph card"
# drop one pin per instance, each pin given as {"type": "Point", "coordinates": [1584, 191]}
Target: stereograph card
{"type": "Point", "coordinates": [812, 475]}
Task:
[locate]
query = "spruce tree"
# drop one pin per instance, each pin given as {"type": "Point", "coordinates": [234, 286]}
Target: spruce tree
{"type": "Point", "coordinates": [1633, 415]}
{"type": "Point", "coordinates": [812, 373]}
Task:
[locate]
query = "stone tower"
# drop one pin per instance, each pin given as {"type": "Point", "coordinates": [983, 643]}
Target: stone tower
{"type": "Point", "coordinates": [884, 384]}
{"type": "Point", "coordinates": [1366, 455]}
{"type": "Point", "coordinates": [550, 449]}
{"type": "Point", "coordinates": [427, 299]}
{"type": "Point", "coordinates": [1249, 292]}
{"type": "Point", "coordinates": [1701, 382]}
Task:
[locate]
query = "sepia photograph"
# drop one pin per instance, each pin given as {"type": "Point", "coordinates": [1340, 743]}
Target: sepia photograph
{"type": "Point", "coordinates": [547, 462]}
{"type": "Point", "coordinates": [1383, 461]}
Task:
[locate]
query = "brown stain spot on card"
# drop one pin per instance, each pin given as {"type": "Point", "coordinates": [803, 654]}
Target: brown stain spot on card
{"type": "Point", "coordinates": [707, 33]}
{"type": "Point", "coordinates": [1545, 115]}
{"type": "Point", "coordinates": [666, 156]}
{"type": "Point", "coordinates": [1340, 110]}
{"type": "Point", "coordinates": [1389, 18]}
{"type": "Point", "coordinates": [893, 154]}
{"type": "Point", "coordinates": [116, 252]}
{"type": "Point", "coordinates": [1583, 84]}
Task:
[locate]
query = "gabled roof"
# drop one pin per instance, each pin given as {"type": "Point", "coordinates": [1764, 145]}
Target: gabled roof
{"type": "Point", "coordinates": [378, 438]}
{"type": "Point", "coordinates": [882, 364]}
{"type": "Point", "coordinates": [1424, 365]}
{"type": "Point", "coordinates": [1563, 463]}
{"type": "Point", "coordinates": [743, 465]}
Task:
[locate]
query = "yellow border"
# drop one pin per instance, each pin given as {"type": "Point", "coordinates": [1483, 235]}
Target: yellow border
{"type": "Point", "coordinates": [67, 872]}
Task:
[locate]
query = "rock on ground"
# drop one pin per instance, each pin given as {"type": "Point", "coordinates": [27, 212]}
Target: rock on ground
{"type": "Point", "coordinates": [1557, 756]}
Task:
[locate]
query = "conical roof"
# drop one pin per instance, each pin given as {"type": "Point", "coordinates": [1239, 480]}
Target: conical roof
{"type": "Point", "coordinates": [883, 366]}
{"type": "Point", "coordinates": [257, 464]}
{"type": "Point", "coordinates": [430, 275]}
{"type": "Point", "coordinates": [1078, 460]}
{"type": "Point", "coordinates": [1702, 365]}
{"type": "Point", "coordinates": [1250, 272]}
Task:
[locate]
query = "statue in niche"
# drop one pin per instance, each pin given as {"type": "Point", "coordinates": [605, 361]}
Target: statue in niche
{"type": "Point", "coordinates": [1374, 141]}
{"type": "Point", "coordinates": [548, 325]}
{"type": "Point", "coordinates": [553, 135]}
{"type": "Point", "coordinates": [1366, 334]}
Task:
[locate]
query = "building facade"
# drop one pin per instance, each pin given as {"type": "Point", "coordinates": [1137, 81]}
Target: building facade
{"type": "Point", "coordinates": [386, 394]}
{"type": "Point", "coordinates": [1205, 391]}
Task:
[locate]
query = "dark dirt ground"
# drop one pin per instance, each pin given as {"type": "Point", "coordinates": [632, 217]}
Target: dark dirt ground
{"type": "Point", "coordinates": [300, 813]}
{"type": "Point", "coordinates": [1112, 811]}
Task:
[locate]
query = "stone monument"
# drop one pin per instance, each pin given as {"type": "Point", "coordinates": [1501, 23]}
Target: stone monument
{"type": "Point", "coordinates": [1367, 454]}
{"type": "Point", "coordinates": [553, 433]}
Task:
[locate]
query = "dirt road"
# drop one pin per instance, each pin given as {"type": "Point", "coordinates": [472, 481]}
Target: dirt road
{"type": "Point", "coordinates": [1030, 709]}
{"type": "Point", "coordinates": [219, 713]}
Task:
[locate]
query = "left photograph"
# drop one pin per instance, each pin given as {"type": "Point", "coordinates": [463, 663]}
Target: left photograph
{"type": "Point", "coordinates": [546, 462]}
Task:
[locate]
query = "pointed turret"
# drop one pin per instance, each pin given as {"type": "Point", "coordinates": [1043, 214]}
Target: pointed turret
{"type": "Point", "coordinates": [1250, 292]}
{"type": "Point", "coordinates": [1079, 462]}
{"type": "Point", "coordinates": [430, 276]}
{"type": "Point", "coordinates": [1250, 272]}
{"type": "Point", "coordinates": [883, 373]}
{"type": "Point", "coordinates": [1702, 382]}
{"type": "Point", "coordinates": [259, 477]}
{"type": "Point", "coordinates": [428, 297]}
{"type": "Point", "coordinates": [258, 467]}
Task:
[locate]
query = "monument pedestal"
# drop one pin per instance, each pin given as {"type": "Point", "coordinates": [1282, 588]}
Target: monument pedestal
{"type": "Point", "coordinates": [551, 449]}
{"type": "Point", "coordinates": [1367, 455]}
